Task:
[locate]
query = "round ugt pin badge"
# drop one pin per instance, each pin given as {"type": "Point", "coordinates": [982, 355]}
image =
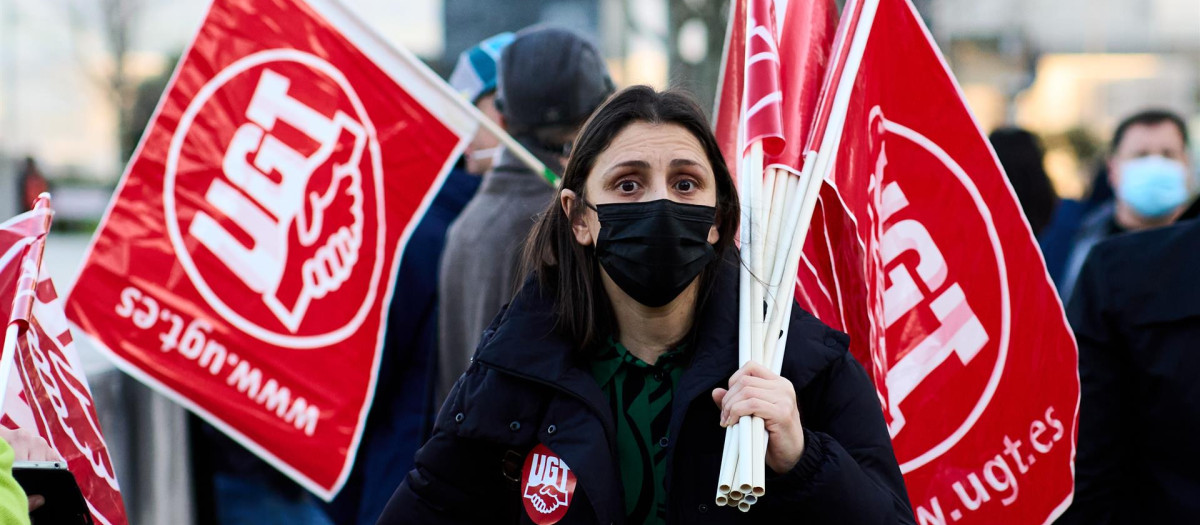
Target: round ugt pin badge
{"type": "Point", "coordinates": [548, 485]}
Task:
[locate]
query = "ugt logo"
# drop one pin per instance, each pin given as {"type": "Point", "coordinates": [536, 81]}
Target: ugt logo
{"type": "Point", "coordinates": [548, 485]}
{"type": "Point", "coordinates": [271, 197]}
{"type": "Point", "coordinates": [943, 328]}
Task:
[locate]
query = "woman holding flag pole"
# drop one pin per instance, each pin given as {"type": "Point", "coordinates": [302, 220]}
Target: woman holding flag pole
{"type": "Point", "coordinates": [599, 395]}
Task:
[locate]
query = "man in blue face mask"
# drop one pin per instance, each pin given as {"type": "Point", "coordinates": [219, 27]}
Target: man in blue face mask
{"type": "Point", "coordinates": [1149, 169]}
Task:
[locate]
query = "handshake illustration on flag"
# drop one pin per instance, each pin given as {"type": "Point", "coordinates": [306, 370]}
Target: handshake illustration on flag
{"type": "Point", "coordinates": [272, 213]}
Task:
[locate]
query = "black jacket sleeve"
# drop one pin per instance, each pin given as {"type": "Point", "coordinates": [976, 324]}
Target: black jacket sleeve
{"type": "Point", "coordinates": [1104, 447]}
{"type": "Point", "coordinates": [848, 471]}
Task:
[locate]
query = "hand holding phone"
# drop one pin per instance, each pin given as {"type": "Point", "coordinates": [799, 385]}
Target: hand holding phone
{"type": "Point", "coordinates": [61, 501]}
{"type": "Point", "coordinates": [29, 446]}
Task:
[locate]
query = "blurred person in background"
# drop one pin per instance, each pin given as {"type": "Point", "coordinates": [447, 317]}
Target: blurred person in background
{"type": "Point", "coordinates": [1021, 154]}
{"type": "Point", "coordinates": [234, 487]}
{"type": "Point", "coordinates": [32, 183]}
{"type": "Point", "coordinates": [550, 81]}
{"type": "Point", "coordinates": [474, 77]}
{"type": "Point", "coordinates": [1056, 238]}
{"type": "Point", "coordinates": [404, 406]}
{"type": "Point", "coordinates": [1136, 317]}
{"type": "Point", "coordinates": [1150, 173]}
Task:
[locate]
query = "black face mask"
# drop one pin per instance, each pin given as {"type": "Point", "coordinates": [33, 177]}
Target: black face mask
{"type": "Point", "coordinates": [653, 250]}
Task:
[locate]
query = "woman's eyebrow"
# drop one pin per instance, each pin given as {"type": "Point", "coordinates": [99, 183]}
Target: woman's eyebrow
{"type": "Point", "coordinates": [678, 163]}
{"type": "Point", "coordinates": [643, 165]}
{"type": "Point", "coordinates": [639, 164]}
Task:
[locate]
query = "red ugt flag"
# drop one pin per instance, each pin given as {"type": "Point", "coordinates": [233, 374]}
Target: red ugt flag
{"type": "Point", "coordinates": [46, 391]}
{"type": "Point", "coordinates": [246, 263]}
{"type": "Point", "coordinates": [919, 251]}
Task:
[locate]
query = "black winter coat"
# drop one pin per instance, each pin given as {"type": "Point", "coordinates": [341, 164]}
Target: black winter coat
{"type": "Point", "coordinates": [1136, 316]}
{"type": "Point", "coordinates": [527, 386]}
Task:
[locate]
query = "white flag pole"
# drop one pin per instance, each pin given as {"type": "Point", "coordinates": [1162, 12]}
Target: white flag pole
{"type": "Point", "coordinates": [432, 78]}
{"type": "Point", "coordinates": [441, 85]}
{"type": "Point", "coordinates": [747, 321]}
{"type": "Point", "coordinates": [511, 144]}
{"type": "Point", "coordinates": [758, 433]}
{"type": "Point", "coordinates": [8, 353]}
{"type": "Point", "coordinates": [728, 464]}
{"type": "Point", "coordinates": [817, 165]}
{"type": "Point", "coordinates": [796, 221]}
{"type": "Point", "coordinates": [792, 230]}
{"type": "Point", "coordinates": [7, 358]}
{"type": "Point", "coordinates": [784, 190]}
{"type": "Point", "coordinates": [744, 475]}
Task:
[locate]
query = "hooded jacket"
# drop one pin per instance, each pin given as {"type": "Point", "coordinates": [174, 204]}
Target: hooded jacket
{"type": "Point", "coordinates": [527, 385]}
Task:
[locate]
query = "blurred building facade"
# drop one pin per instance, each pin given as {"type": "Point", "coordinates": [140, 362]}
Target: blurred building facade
{"type": "Point", "coordinates": [73, 73]}
{"type": "Point", "coordinates": [632, 34]}
{"type": "Point", "coordinates": [466, 22]}
{"type": "Point", "coordinates": [1069, 70]}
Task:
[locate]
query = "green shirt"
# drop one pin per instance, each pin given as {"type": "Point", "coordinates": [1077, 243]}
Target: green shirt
{"type": "Point", "coordinates": [640, 395]}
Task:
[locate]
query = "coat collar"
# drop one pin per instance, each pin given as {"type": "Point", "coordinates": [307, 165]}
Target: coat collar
{"type": "Point", "coordinates": [524, 340]}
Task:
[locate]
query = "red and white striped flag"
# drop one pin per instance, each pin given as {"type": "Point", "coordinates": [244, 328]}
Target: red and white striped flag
{"type": "Point", "coordinates": [787, 62]}
{"type": "Point", "coordinates": [41, 379]}
{"type": "Point", "coordinates": [918, 250]}
{"type": "Point", "coordinates": [762, 98]}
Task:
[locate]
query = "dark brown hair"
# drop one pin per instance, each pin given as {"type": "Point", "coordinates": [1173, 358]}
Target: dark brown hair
{"type": "Point", "coordinates": [1021, 155]}
{"type": "Point", "coordinates": [568, 272]}
{"type": "Point", "coordinates": [1149, 117]}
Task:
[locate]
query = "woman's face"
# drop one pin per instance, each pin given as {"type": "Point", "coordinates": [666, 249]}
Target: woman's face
{"type": "Point", "coordinates": [645, 162]}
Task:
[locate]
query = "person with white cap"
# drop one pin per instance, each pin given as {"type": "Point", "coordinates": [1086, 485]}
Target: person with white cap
{"type": "Point", "coordinates": [474, 77]}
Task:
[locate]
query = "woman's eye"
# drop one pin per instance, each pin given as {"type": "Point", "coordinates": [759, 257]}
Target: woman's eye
{"type": "Point", "coordinates": [685, 186]}
{"type": "Point", "coordinates": [627, 186]}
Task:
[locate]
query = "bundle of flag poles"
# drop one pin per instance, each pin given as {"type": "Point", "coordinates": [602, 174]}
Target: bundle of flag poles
{"type": "Point", "coordinates": [777, 206]}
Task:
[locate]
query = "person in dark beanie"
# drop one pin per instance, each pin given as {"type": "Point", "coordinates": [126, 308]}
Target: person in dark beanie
{"type": "Point", "coordinates": [550, 81]}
